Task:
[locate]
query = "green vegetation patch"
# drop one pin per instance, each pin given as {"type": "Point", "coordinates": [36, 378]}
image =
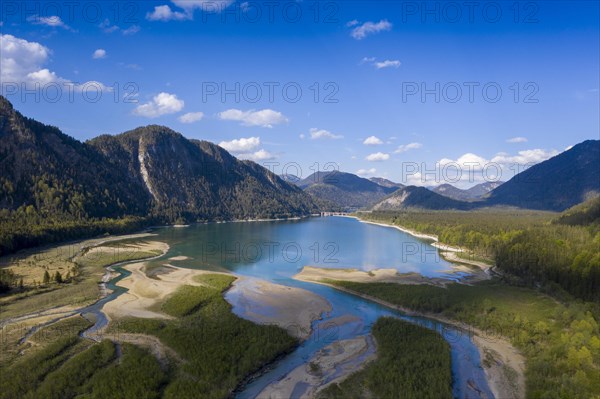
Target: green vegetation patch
{"type": "Point", "coordinates": [412, 362]}
{"type": "Point", "coordinates": [219, 349]}
{"type": "Point", "coordinates": [560, 341]}
{"type": "Point", "coordinates": [562, 254]}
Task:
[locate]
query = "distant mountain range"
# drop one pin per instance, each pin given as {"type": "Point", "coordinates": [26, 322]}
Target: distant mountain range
{"type": "Point", "coordinates": [418, 197]}
{"type": "Point", "coordinates": [385, 182]}
{"type": "Point", "coordinates": [345, 190]}
{"type": "Point", "coordinates": [555, 184]}
{"type": "Point", "coordinates": [474, 193]}
{"type": "Point", "coordinates": [155, 171]}
{"type": "Point", "coordinates": [148, 171]}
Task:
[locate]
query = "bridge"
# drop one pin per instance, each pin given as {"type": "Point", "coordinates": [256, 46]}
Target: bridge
{"type": "Point", "coordinates": [334, 213]}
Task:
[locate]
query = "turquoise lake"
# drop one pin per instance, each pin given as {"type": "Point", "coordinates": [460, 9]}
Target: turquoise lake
{"type": "Point", "coordinates": [277, 250]}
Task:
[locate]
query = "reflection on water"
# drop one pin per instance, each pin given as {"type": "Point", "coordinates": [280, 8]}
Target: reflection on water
{"type": "Point", "coordinates": [275, 251]}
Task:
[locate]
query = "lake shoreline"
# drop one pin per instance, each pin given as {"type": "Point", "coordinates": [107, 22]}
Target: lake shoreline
{"type": "Point", "coordinates": [448, 252]}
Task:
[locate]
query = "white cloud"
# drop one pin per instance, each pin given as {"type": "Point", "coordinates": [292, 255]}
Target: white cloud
{"type": "Point", "coordinates": [526, 157]}
{"type": "Point", "coordinates": [241, 145]}
{"type": "Point", "coordinates": [366, 60]}
{"type": "Point", "coordinates": [263, 118]}
{"type": "Point", "coordinates": [107, 27]}
{"type": "Point", "coordinates": [372, 140]}
{"type": "Point", "coordinates": [378, 157]}
{"type": "Point", "coordinates": [164, 13]}
{"type": "Point", "coordinates": [99, 54]}
{"type": "Point", "coordinates": [260, 155]}
{"type": "Point", "coordinates": [472, 168]}
{"type": "Point", "coordinates": [352, 23]}
{"type": "Point", "coordinates": [368, 28]}
{"type": "Point", "coordinates": [517, 140]}
{"type": "Point", "coordinates": [468, 161]}
{"type": "Point", "coordinates": [53, 21]}
{"type": "Point", "coordinates": [380, 64]}
{"type": "Point", "coordinates": [161, 104]}
{"type": "Point", "coordinates": [406, 147]}
{"type": "Point", "coordinates": [388, 64]}
{"type": "Point", "coordinates": [22, 62]}
{"type": "Point", "coordinates": [204, 5]}
{"type": "Point", "coordinates": [316, 134]}
{"type": "Point", "coordinates": [366, 172]}
{"type": "Point", "coordinates": [132, 30]}
{"type": "Point", "coordinates": [191, 117]}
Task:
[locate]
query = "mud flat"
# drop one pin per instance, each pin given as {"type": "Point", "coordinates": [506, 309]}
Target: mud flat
{"type": "Point", "coordinates": [263, 302]}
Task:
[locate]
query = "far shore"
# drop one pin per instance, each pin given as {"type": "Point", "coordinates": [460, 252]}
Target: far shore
{"type": "Point", "coordinates": [448, 252]}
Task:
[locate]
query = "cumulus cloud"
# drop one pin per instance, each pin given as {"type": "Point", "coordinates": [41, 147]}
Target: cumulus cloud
{"type": "Point", "coordinates": [162, 104]}
{"type": "Point", "coordinates": [191, 117]}
{"type": "Point", "coordinates": [517, 140]}
{"type": "Point", "coordinates": [241, 145]}
{"type": "Point", "coordinates": [388, 64]}
{"type": "Point", "coordinates": [22, 62]}
{"type": "Point", "coordinates": [99, 54]}
{"type": "Point", "coordinates": [166, 13]}
{"type": "Point", "coordinates": [468, 161]}
{"type": "Point", "coordinates": [264, 118]}
{"type": "Point", "coordinates": [316, 134]}
{"type": "Point", "coordinates": [260, 155]}
{"type": "Point", "coordinates": [53, 21]}
{"type": "Point", "coordinates": [366, 172]}
{"type": "Point", "coordinates": [407, 147]}
{"type": "Point", "coordinates": [377, 157]}
{"type": "Point", "coordinates": [369, 28]}
{"type": "Point", "coordinates": [473, 168]}
{"type": "Point", "coordinates": [372, 140]}
{"type": "Point", "coordinates": [525, 157]}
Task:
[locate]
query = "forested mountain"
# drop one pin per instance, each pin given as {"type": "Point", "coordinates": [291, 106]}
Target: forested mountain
{"type": "Point", "coordinates": [556, 184]}
{"type": "Point", "coordinates": [385, 182]}
{"type": "Point", "coordinates": [474, 193]}
{"type": "Point", "coordinates": [53, 187]}
{"type": "Point", "coordinates": [344, 189]}
{"type": "Point", "coordinates": [418, 197]}
{"type": "Point", "coordinates": [198, 180]}
{"type": "Point", "coordinates": [290, 178]}
{"type": "Point", "coordinates": [584, 214]}
{"type": "Point", "coordinates": [45, 171]}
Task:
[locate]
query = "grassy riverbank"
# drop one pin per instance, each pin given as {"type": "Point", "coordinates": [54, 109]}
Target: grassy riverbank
{"type": "Point", "coordinates": [412, 362]}
{"type": "Point", "coordinates": [560, 341]}
{"type": "Point", "coordinates": [218, 349]}
{"type": "Point", "coordinates": [210, 351]}
{"type": "Point", "coordinates": [62, 365]}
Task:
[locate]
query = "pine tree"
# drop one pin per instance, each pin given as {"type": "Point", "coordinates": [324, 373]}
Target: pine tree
{"type": "Point", "coordinates": [46, 277]}
{"type": "Point", "coordinates": [58, 278]}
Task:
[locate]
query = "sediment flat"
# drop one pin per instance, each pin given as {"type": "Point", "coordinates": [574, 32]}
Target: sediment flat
{"type": "Point", "coordinates": [331, 364]}
{"type": "Point", "coordinates": [293, 309]}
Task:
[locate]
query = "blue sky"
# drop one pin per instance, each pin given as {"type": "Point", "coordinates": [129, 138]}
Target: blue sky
{"type": "Point", "coordinates": [506, 83]}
